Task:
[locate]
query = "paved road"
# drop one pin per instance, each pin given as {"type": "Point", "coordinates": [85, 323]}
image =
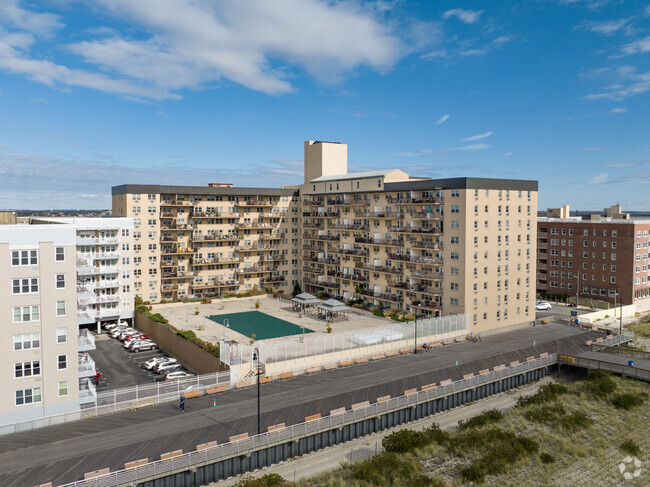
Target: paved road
{"type": "Point", "coordinates": [64, 453]}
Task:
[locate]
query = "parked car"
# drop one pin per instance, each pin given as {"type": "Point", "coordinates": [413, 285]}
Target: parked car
{"type": "Point", "coordinates": [117, 330]}
{"type": "Point", "coordinates": [130, 338]}
{"type": "Point", "coordinates": [151, 363]}
{"type": "Point", "coordinates": [178, 374]}
{"type": "Point", "coordinates": [542, 306]}
{"type": "Point", "coordinates": [165, 367]}
{"type": "Point", "coordinates": [143, 345]}
{"type": "Point", "coordinates": [127, 333]}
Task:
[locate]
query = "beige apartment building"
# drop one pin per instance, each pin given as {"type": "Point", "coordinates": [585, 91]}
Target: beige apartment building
{"type": "Point", "coordinates": [435, 247]}
{"type": "Point", "coordinates": [39, 368]}
{"type": "Point", "coordinates": [210, 241]}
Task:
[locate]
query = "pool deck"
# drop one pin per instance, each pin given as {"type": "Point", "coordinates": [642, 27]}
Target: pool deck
{"type": "Point", "coordinates": [64, 453]}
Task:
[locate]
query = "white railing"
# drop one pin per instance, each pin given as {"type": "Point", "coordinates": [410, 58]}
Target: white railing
{"type": "Point", "coordinates": [87, 393]}
{"type": "Point", "coordinates": [86, 365]}
{"type": "Point", "coordinates": [309, 345]}
{"type": "Point", "coordinates": [108, 269]}
{"type": "Point", "coordinates": [293, 433]}
{"type": "Point", "coordinates": [85, 341]}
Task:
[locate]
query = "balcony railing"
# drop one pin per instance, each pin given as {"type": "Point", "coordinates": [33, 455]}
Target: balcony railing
{"type": "Point", "coordinates": [378, 241]}
{"type": "Point", "coordinates": [436, 200]}
{"type": "Point", "coordinates": [86, 365]}
{"type": "Point", "coordinates": [361, 252]}
{"type": "Point", "coordinates": [85, 341]}
{"type": "Point", "coordinates": [325, 284]}
{"type": "Point", "coordinates": [210, 284]}
{"type": "Point", "coordinates": [349, 276]}
{"type": "Point", "coordinates": [343, 226]}
{"type": "Point", "coordinates": [348, 202]}
{"type": "Point", "coordinates": [272, 279]}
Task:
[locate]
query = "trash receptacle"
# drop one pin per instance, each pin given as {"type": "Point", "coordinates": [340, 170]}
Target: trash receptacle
{"type": "Point", "coordinates": [630, 363]}
{"type": "Point", "coordinates": [577, 321]}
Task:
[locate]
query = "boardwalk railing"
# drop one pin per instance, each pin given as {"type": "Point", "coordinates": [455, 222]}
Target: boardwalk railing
{"type": "Point", "coordinates": [161, 468]}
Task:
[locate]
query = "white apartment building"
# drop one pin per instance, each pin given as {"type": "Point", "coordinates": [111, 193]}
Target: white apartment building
{"type": "Point", "coordinates": [104, 259]}
{"type": "Point", "coordinates": [39, 368]}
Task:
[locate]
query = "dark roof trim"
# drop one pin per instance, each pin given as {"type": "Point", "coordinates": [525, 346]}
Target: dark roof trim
{"type": "Point", "coordinates": [158, 189]}
{"type": "Point", "coordinates": [464, 183]}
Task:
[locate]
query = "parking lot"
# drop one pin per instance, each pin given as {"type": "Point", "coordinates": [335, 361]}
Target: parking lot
{"type": "Point", "coordinates": [120, 367]}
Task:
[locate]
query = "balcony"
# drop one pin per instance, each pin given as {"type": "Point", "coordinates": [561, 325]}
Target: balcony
{"type": "Point", "coordinates": [175, 203]}
{"type": "Point", "coordinates": [432, 276]}
{"type": "Point", "coordinates": [380, 268]}
{"type": "Point", "coordinates": [375, 214]}
{"type": "Point", "coordinates": [322, 214]}
{"type": "Point", "coordinates": [253, 248]}
{"type": "Point", "coordinates": [213, 284]}
{"type": "Point", "coordinates": [86, 365]}
{"type": "Point", "coordinates": [350, 276]}
{"type": "Point", "coordinates": [378, 241]}
{"type": "Point", "coordinates": [272, 257]}
{"type": "Point", "coordinates": [254, 224]}
{"type": "Point", "coordinates": [348, 202]}
{"type": "Point", "coordinates": [273, 236]}
{"type": "Point", "coordinates": [313, 202]}
{"type": "Point", "coordinates": [168, 238]}
{"type": "Point", "coordinates": [343, 226]}
{"type": "Point", "coordinates": [213, 238]}
{"type": "Point", "coordinates": [178, 251]}
{"type": "Point", "coordinates": [425, 245]}
{"type": "Point", "coordinates": [168, 288]}
{"type": "Point", "coordinates": [113, 298]}
{"type": "Point", "coordinates": [312, 225]}
{"type": "Point", "coordinates": [108, 269]}
{"type": "Point", "coordinates": [361, 252]}
{"type": "Point", "coordinates": [326, 238]}
{"type": "Point", "coordinates": [329, 261]}
{"type": "Point", "coordinates": [415, 230]}
{"type": "Point", "coordinates": [272, 279]}
{"type": "Point", "coordinates": [393, 298]}
{"type": "Point", "coordinates": [220, 260]}
{"type": "Point", "coordinates": [420, 215]}
{"type": "Point", "coordinates": [425, 290]}
{"type": "Point", "coordinates": [435, 200]}
{"type": "Point", "coordinates": [87, 392]}
{"type": "Point", "coordinates": [253, 270]}
{"type": "Point", "coordinates": [174, 227]}
{"type": "Point", "coordinates": [313, 270]}
{"type": "Point", "coordinates": [85, 341]}
{"type": "Point", "coordinates": [324, 284]}
{"type": "Point", "coordinates": [429, 305]}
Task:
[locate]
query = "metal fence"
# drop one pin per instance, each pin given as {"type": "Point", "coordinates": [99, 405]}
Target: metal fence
{"type": "Point", "coordinates": [124, 399]}
{"type": "Point", "coordinates": [364, 338]}
{"type": "Point", "coordinates": [294, 432]}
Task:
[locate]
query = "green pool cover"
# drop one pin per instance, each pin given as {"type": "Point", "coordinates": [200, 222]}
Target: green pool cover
{"type": "Point", "coordinates": [264, 326]}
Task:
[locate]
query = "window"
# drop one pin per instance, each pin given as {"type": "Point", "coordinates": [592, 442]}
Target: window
{"type": "Point", "coordinates": [59, 254]}
{"type": "Point", "coordinates": [26, 313]}
{"type": "Point", "coordinates": [62, 362]}
{"type": "Point", "coordinates": [27, 369]}
{"type": "Point", "coordinates": [28, 396]}
{"type": "Point", "coordinates": [27, 341]}
{"type": "Point", "coordinates": [25, 286]}
{"type": "Point", "coordinates": [24, 257]}
{"type": "Point", "coordinates": [455, 193]}
{"type": "Point", "coordinates": [63, 388]}
{"type": "Point", "coordinates": [453, 255]}
{"type": "Point", "coordinates": [61, 335]}
{"type": "Point", "coordinates": [60, 308]}
{"type": "Point", "coordinates": [455, 209]}
{"type": "Point", "coordinates": [60, 281]}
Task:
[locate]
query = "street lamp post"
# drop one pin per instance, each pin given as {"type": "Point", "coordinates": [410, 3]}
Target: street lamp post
{"type": "Point", "coordinates": [415, 349]}
{"type": "Point", "coordinates": [577, 293]}
{"type": "Point", "coordinates": [256, 356]}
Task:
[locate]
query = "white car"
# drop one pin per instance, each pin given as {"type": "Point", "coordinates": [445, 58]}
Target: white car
{"type": "Point", "coordinates": [115, 332]}
{"type": "Point", "coordinates": [151, 364]}
{"type": "Point", "coordinates": [142, 345]}
{"type": "Point", "coordinates": [178, 374]}
{"type": "Point", "coordinates": [166, 367]}
{"type": "Point", "coordinates": [542, 306]}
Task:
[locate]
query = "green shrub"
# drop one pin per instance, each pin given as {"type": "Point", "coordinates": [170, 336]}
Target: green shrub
{"type": "Point", "coordinates": [547, 458]}
{"type": "Point", "coordinates": [142, 309]}
{"type": "Point", "coordinates": [548, 413]}
{"type": "Point", "coordinates": [546, 393]}
{"type": "Point", "coordinates": [391, 468]}
{"type": "Point", "coordinates": [404, 441]}
{"type": "Point", "coordinates": [376, 310]}
{"type": "Point", "coordinates": [630, 447]}
{"type": "Point", "coordinates": [600, 383]}
{"type": "Point", "coordinates": [486, 417]}
{"type": "Point", "coordinates": [187, 334]}
{"type": "Point", "coordinates": [268, 480]}
{"type": "Point", "coordinates": [574, 421]}
{"type": "Point", "coordinates": [158, 317]}
{"type": "Point", "coordinates": [628, 401]}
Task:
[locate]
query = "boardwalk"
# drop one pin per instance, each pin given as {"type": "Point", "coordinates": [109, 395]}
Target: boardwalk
{"type": "Point", "coordinates": [62, 454]}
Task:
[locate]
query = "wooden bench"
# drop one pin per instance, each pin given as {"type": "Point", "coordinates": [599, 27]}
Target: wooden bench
{"type": "Point", "coordinates": [346, 363]}
{"type": "Point", "coordinates": [206, 446]}
{"type": "Point", "coordinates": [410, 392]}
{"type": "Point", "coordinates": [589, 342]}
{"type": "Point", "coordinates": [191, 394]}
{"type": "Point", "coordinates": [172, 454]}
{"type": "Point", "coordinates": [516, 362]}
{"type": "Point", "coordinates": [96, 473]}
{"type": "Point", "coordinates": [460, 339]}
{"type": "Point", "coordinates": [447, 342]}
{"type": "Point", "coordinates": [265, 379]}
{"type": "Point", "coordinates": [360, 405]}
{"type": "Point", "coordinates": [242, 384]}
{"type": "Point", "coordinates": [404, 351]}
{"type": "Point", "coordinates": [337, 411]}
{"type": "Point", "coordinates": [361, 360]}
{"type": "Point", "coordinates": [435, 344]}
{"type": "Point", "coordinates": [216, 389]}
{"type": "Point", "coordinates": [445, 382]}
{"type": "Point", "coordinates": [276, 427]}
{"type": "Point", "coordinates": [383, 399]}
{"type": "Point", "coordinates": [546, 321]}
{"type": "Point", "coordinates": [378, 357]}
{"type": "Point", "coordinates": [484, 371]}
{"type": "Point", "coordinates": [543, 355]}
{"type": "Point", "coordinates": [286, 375]}
{"type": "Point", "coordinates": [313, 417]}
{"type": "Point", "coordinates": [144, 402]}
{"type": "Point", "coordinates": [313, 370]}
{"type": "Point", "coordinates": [136, 463]}
{"type": "Point", "coordinates": [331, 367]}
{"type": "Point", "coordinates": [599, 339]}
{"type": "Point", "coordinates": [499, 367]}
{"type": "Point", "coordinates": [530, 359]}
{"type": "Point", "coordinates": [392, 353]}
{"type": "Point", "coordinates": [428, 386]}
{"type": "Point", "coordinates": [468, 376]}
{"type": "Point", "coordinates": [235, 438]}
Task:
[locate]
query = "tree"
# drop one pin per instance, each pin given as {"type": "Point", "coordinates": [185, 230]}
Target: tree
{"type": "Point", "coordinates": [296, 290]}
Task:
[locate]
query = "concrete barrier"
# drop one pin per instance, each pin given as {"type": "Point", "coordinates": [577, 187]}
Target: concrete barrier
{"type": "Point", "coordinates": [435, 344]}
{"type": "Point", "coordinates": [445, 382]}
{"type": "Point", "coordinates": [172, 454]}
{"type": "Point", "coordinates": [144, 402]}
{"type": "Point", "coordinates": [589, 342]}
{"type": "Point", "coordinates": [286, 375]}
{"type": "Point", "coordinates": [331, 367]}
{"type": "Point", "coordinates": [392, 353]}
{"type": "Point", "coordinates": [191, 394]}
{"type": "Point", "coordinates": [530, 359]}
{"type": "Point", "coordinates": [216, 389]}
{"type": "Point", "coordinates": [378, 357]}
{"type": "Point", "coordinates": [383, 399]}
{"type": "Point", "coordinates": [468, 376]}
{"type": "Point", "coordinates": [243, 384]}
{"type": "Point", "coordinates": [360, 405]}
{"type": "Point", "coordinates": [447, 342]}
{"type": "Point", "coordinates": [235, 438]}
{"type": "Point", "coordinates": [499, 367]}
{"type": "Point", "coordinates": [516, 362]}
{"type": "Point", "coordinates": [543, 355]}
{"type": "Point", "coordinates": [484, 371]}
{"type": "Point", "coordinates": [460, 339]}
{"type": "Point", "coordinates": [313, 417]}
{"type": "Point", "coordinates": [346, 363]}
{"type": "Point", "coordinates": [97, 473]}
{"type": "Point", "coordinates": [206, 446]}
{"type": "Point", "coordinates": [276, 427]}
{"type": "Point", "coordinates": [136, 463]}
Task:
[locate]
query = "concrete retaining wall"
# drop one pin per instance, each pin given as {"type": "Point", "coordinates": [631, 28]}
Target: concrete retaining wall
{"type": "Point", "coordinates": [188, 353]}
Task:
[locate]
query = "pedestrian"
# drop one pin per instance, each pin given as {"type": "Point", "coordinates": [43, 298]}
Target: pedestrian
{"type": "Point", "coordinates": [479, 337]}
{"type": "Point", "coordinates": [425, 347]}
{"type": "Point", "coordinates": [181, 406]}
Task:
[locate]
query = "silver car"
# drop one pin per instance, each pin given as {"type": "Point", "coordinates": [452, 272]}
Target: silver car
{"type": "Point", "coordinates": [138, 345]}
{"type": "Point", "coordinates": [151, 363]}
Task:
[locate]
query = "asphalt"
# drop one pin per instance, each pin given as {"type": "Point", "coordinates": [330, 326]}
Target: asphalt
{"type": "Point", "coordinates": [62, 454]}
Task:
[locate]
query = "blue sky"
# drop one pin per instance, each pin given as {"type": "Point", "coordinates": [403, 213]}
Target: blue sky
{"type": "Point", "coordinates": [96, 93]}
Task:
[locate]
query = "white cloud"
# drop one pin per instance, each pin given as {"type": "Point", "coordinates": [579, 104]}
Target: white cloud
{"type": "Point", "coordinates": [623, 164]}
{"type": "Point", "coordinates": [442, 119]}
{"type": "Point", "coordinates": [467, 16]}
{"type": "Point", "coordinates": [618, 110]}
{"type": "Point", "coordinates": [637, 47]}
{"type": "Point", "coordinates": [599, 179]}
{"type": "Point", "coordinates": [592, 148]}
{"type": "Point", "coordinates": [630, 83]}
{"type": "Point", "coordinates": [191, 44]}
{"type": "Point", "coordinates": [473, 147]}
{"type": "Point", "coordinates": [607, 27]}
{"type": "Point", "coordinates": [477, 137]}
{"type": "Point", "coordinates": [495, 44]}
{"type": "Point", "coordinates": [508, 154]}
{"type": "Point", "coordinates": [415, 153]}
